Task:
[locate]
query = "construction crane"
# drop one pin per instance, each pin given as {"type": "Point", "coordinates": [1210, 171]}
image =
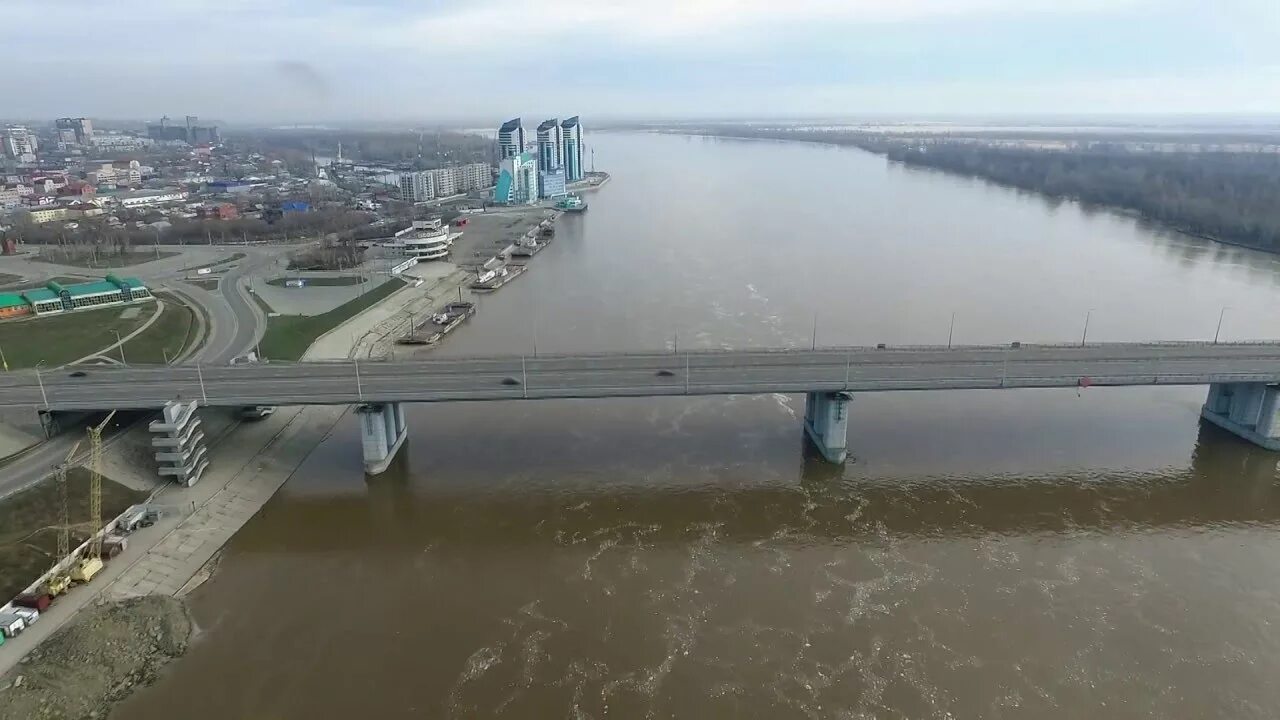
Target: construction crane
{"type": "Point", "coordinates": [64, 527]}
{"type": "Point", "coordinates": [95, 484]}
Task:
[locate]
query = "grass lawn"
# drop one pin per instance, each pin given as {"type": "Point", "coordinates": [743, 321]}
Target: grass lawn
{"type": "Point", "coordinates": [207, 284]}
{"type": "Point", "coordinates": [60, 339]}
{"type": "Point", "coordinates": [266, 308]}
{"type": "Point", "coordinates": [289, 336]}
{"type": "Point", "coordinates": [29, 522]}
{"type": "Point", "coordinates": [61, 280]}
{"type": "Point", "coordinates": [338, 281]}
{"type": "Point", "coordinates": [101, 262]}
{"type": "Point", "coordinates": [234, 257]}
{"type": "Point", "coordinates": [166, 338]}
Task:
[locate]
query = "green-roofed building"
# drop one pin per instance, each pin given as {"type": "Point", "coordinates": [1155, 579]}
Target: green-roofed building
{"type": "Point", "coordinates": [56, 298]}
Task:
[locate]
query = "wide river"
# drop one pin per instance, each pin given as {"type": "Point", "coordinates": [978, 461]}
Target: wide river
{"type": "Point", "coordinates": [1015, 554]}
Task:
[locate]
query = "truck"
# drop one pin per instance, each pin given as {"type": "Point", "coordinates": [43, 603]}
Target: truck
{"type": "Point", "coordinates": [57, 585]}
{"type": "Point", "coordinates": [131, 520]}
{"type": "Point", "coordinates": [84, 571]}
{"type": "Point", "coordinates": [113, 545]}
{"type": "Point", "coordinates": [36, 601]}
{"type": "Point", "coordinates": [28, 615]}
{"type": "Point", "coordinates": [11, 626]}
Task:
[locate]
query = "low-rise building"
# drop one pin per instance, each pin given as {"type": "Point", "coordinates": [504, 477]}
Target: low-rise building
{"type": "Point", "coordinates": [424, 240]}
{"type": "Point", "coordinates": [55, 298]}
{"type": "Point", "coordinates": [551, 184]}
{"type": "Point", "coordinates": [232, 187]}
{"type": "Point", "coordinates": [78, 189]}
{"type": "Point", "coordinates": [148, 198]}
{"type": "Point", "coordinates": [220, 211]}
{"type": "Point", "coordinates": [41, 215]}
{"type": "Point", "coordinates": [117, 141]}
{"type": "Point", "coordinates": [122, 172]}
{"type": "Point", "coordinates": [38, 200]}
{"type": "Point", "coordinates": [11, 195]}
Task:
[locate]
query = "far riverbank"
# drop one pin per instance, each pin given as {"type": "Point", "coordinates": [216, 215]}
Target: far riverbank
{"type": "Point", "coordinates": [1230, 198]}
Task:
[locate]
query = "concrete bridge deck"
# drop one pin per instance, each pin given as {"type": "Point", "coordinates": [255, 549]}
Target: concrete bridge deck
{"type": "Point", "coordinates": [825, 370]}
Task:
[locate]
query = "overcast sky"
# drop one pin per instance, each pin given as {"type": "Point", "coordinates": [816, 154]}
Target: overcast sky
{"type": "Point", "coordinates": [444, 60]}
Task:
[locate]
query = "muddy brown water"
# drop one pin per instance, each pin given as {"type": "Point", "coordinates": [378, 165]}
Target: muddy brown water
{"type": "Point", "coordinates": [1028, 553]}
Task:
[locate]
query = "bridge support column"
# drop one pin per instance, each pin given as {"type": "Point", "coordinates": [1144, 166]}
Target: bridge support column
{"type": "Point", "coordinates": [1246, 409]}
{"type": "Point", "coordinates": [382, 432]}
{"type": "Point", "coordinates": [826, 423]}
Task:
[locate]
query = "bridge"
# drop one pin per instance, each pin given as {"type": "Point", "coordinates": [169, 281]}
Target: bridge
{"type": "Point", "coordinates": [1243, 377]}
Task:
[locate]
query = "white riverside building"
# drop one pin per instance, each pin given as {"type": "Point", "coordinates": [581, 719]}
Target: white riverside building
{"type": "Point", "coordinates": [424, 240]}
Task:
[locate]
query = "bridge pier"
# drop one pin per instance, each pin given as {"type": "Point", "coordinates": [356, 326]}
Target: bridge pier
{"type": "Point", "coordinates": [55, 421]}
{"type": "Point", "coordinates": [826, 423]}
{"type": "Point", "coordinates": [382, 432]}
{"type": "Point", "coordinates": [1247, 409]}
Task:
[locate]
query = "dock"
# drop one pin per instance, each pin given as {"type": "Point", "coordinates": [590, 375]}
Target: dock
{"type": "Point", "coordinates": [454, 314]}
{"type": "Point", "coordinates": [494, 279]}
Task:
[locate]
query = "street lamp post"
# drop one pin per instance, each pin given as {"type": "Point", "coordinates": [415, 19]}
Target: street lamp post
{"type": "Point", "coordinates": [120, 344]}
{"type": "Point", "coordinates": [1218, 332]}
{"type": "Point", "coordinates": [40, 381]}
{"type": "Point", "coordinates": [1085, 334]}
{"type": "Point", "coordinates": [951, 331]}
{"type": "Point", "coordinates": [200, 374]}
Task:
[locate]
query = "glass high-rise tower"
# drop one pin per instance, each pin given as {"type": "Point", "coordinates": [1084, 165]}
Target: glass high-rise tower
{"type": "Point", "coordinates": [510, 139]}
{"type": "Point", "coordinates": [571, 130]}
{"type": "Point", "coordinates": [550, 146]}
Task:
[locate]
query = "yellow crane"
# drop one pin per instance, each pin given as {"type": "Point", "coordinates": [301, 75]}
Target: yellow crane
{"type": "Point", "coordinates": [64, 527]}
{"type": "Point", "coordinates": [91, 563]}
{"type": "Point", "coordinates": [95, 484]}
{"type": "Point", "coordinates": [58, 584]}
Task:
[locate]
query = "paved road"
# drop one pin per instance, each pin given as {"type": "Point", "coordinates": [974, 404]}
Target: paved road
{"type": "Point", "coordinates": [621, 375]}
{"type": "Point", "coordinates": [237, 324]}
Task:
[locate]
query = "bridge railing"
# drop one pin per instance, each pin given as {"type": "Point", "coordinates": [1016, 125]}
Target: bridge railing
{"type": "Point", "coordinates": [821, 349]}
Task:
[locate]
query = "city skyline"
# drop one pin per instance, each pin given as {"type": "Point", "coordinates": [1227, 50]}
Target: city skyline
{"type": "Point", "coordinates": [315, 62]}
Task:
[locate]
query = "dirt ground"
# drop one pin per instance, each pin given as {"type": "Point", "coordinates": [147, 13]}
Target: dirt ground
{"type": "Point", "coordinates": [29, 520]}
{"type": "Point", "coordinates": [97, 660]}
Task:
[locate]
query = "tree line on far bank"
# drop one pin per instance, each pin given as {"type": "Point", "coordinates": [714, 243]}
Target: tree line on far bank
{"type": "Point", "coordinates": [1233, 197]}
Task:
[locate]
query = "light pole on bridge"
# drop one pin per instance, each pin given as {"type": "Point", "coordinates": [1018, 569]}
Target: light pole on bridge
{"type": "Point", "coordinates": [39, 380]}
{"type": "Point", "coordinates": [1218, 332]}
{"type": "Point", "coordinates": [1084, 335]}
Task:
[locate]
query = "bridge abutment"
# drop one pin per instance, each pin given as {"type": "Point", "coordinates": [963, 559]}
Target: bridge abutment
{"type": "Point", "coordinates": [826, 423]}
{"type": "Point", "coordinates": [1247, 409]}
{"type": "Point", "coordinates": [382, 431]}
{"type": "Point", "coordinates": [179, 443]}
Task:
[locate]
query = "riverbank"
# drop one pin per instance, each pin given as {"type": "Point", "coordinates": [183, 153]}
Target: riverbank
{"type": "Point", "coordinates": [97, 661]}
{"type": "Point", "coordinates": [1220, 197]}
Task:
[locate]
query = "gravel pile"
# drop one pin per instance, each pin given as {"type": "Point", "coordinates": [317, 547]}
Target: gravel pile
{"type": "Point", "coordinates": [96, 660]}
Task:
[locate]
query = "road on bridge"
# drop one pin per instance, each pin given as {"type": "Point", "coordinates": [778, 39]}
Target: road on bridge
{"type": "Point", "coordinates": [641, 374]}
